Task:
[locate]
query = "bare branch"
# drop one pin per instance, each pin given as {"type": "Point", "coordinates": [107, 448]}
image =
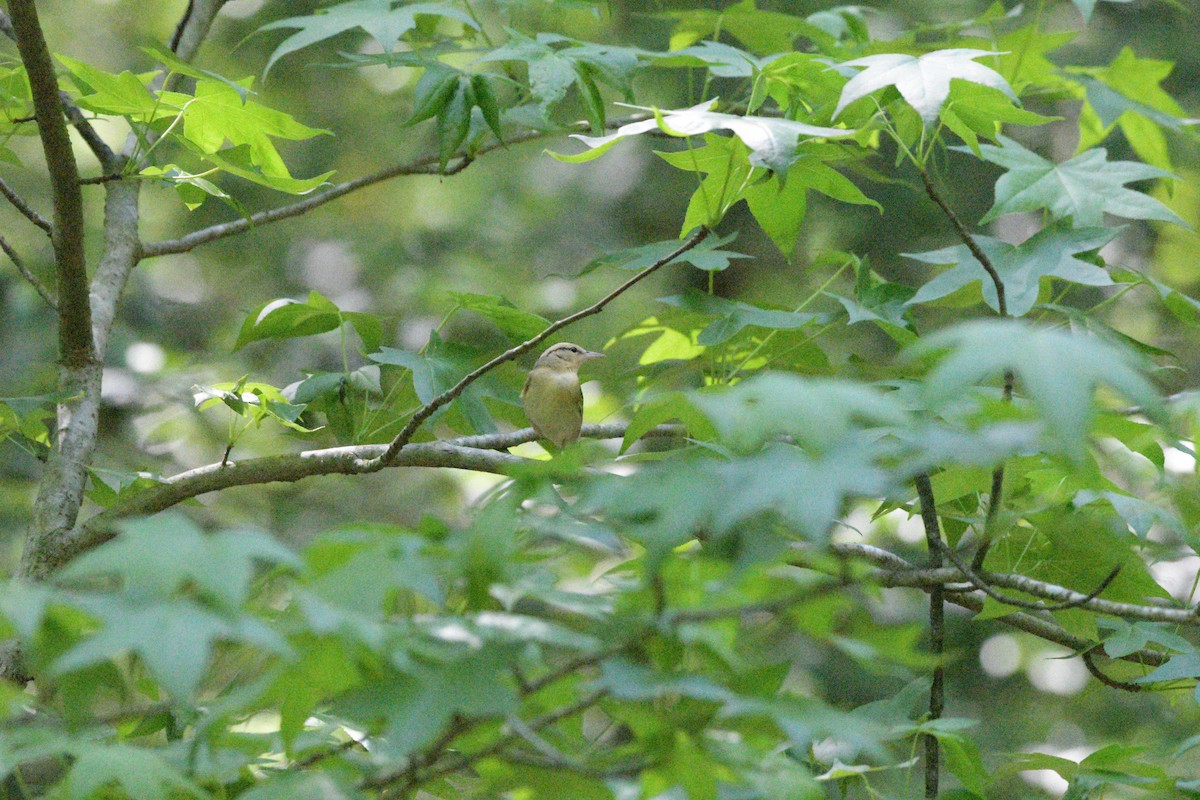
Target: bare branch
{"type": "Point", "coordinates": [405, 780]}
{"type": "Point", "coordinates": [980, 582]}
{"type": "Point", "coordinates": [427, 164]}
{"type": "Point", "coordinates": [424, 165]}
{"type": "Point", "coordinates": [476, 453]}
{"type": "Point", "coordinates": [937, 632]}
{"type": "Point", "coordinates": [893, 574]}
{"type": "Point", "coordinates": [41, 288]}
{"type": "Point", "coordinates": [426, 411]}
{"type": "Point", "coordinates": [1089, 661]}
{"type": "Point", "coordinates": [26, 210]}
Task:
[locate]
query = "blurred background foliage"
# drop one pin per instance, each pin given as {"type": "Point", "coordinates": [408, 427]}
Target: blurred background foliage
{"type": "Point", "coordinates": [518, 224]}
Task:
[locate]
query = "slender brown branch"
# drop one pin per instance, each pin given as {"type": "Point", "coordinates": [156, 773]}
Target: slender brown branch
{"type": "Point", "coordinates": [26, 210]}
{"type": "Point", "coordinates": [965, 236]}
{"type": "Point", "coordinates": [1089, 661]}
{"type": "Point", "coordinates": [424, 165]}
{"type": "Point", "coordinates": [427, 164]}
{"type": "Point", "coordinates": [41, 288]}
{"type": "Point", "coordinates": [477, 453]}
{"type": "Point", "coordinates": [100, 149]}
{"type": "Point", "coordinates": [937, 631]}
{"type": "Point", "coordinates": [76, 349]}
{"type": "Point", "coordinates": [1002, 309]}
{"type": "Point", "coordinates": [426, 411]}
{"type": "Point", "coordinates": [405, 781]}
{"type": "Point", "coordinates": [895, 571]}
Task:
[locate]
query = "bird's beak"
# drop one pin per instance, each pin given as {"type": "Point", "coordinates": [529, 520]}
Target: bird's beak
{"type": "Point", "coordinates": [588, 355]}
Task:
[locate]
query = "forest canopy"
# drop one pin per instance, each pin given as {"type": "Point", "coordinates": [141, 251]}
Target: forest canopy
{"type": "Point", "coordinates": [885, 485]}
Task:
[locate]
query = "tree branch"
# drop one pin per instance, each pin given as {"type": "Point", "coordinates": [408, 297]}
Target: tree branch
{"type": "Point", "coordinates": [937, 632]}
{"type": "Point", "coordinates": [26, 210]}
{"type": "Point", "coordinates": [41, 288]}
{"type": "Point", "coordinates": [475, 453]}
{"type": "Point", "coordinates": [75, 320]}
{"type": "Point", "coordinates": [426, 411]}
{"type": "Point", "coordinates": [894, 571]}
{"type": "Point", "coordinates": [406, 780]}
{"type": "Point", "coordinates": [424, 165]}
{"type": "Point", "coordinates": [427, 164]}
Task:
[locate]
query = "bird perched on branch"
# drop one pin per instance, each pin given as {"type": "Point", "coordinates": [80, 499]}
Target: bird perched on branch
{"type": "Point", "coordinates": [553, 399]}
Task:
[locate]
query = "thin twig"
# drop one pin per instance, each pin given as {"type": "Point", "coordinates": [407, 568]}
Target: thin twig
{"type": "Point", "coordinates": [427, 410]}
{"type": "Point", "coordinates": [965, 236]}
{"type": "Point", "coordinates": [428, 164]}
{"type": "Point", "coordinates": [26, 210]}
{"type": "Point", "coordinates": [405, 780]}
{"type": "Point", "coordinates": [937, 632]}
{"type": "Point", "coordinates": [1109, 681]}
{"type": "Point", "coordinates": [424, 165]}
{"type": "Point", "coordinates": [979, 581]}
{"type": "Point", "coordinates": [41, 288]}
{"type": "Point", "coordinates": [1002, 309]}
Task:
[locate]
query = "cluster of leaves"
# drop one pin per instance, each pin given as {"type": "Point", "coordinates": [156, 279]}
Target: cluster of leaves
{"type": "Point", "coordinates": [587, 634]}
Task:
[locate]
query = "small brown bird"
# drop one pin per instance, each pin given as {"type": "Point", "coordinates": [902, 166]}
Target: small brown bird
{"type": "Point", "coordinates": [553, 399]}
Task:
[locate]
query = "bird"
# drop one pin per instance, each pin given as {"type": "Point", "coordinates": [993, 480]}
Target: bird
{"type": "Point", "coordinates": [553, 399]}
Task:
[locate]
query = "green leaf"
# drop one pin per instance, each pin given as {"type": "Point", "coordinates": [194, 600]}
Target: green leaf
{"type": "Point", "coordinates": [706, 256]}
{"type": "Point", "coordinates": [1083, 188]}
{"type": "Point", "coordinates": [667, 407]}
{"type": "Point", "coordinates": [175, 639]}
{"type": "Point", "coordinates": [239, 161]}
{"type": "Point", "coordinates": [414, 706]}
{"type": "Point", "coordinates": [1058, 370]}
{"type": "Point", "coordinates": [143, 774]}
{"type": "Point", "coordinates": [1050, 253]}
{"type": "Point", "coordinates": [734, 315]}
{"type": "Point", "coordinates": [287, 319]}
{"type": "Point", "coordinates": [361, 569]}
{"type": "Point", "coordinates": [437, 84]}
{"type": "Point", "coordinates": [437, 369]}
{"type": "Point", "coordinates": [160, 556]}
{"type": "Point", "coordinates": [519, 325]}
{"type": "Point", "coordinates": [819, 413]}
{"type": "Point", "coordinates": [218, 116]}
{"type": "Point", "coordinates": [923, 81]}
{"type": "Point", "coordinates": [555, 63]}
{"type": "Point", "coordinates": [384, 20]}
{"type": "Point", "coordinates": [454, 120]}
{"type": "Point", "coordinates": [974, 111]}
{"type": "Point", "coordinates": [124, 94]}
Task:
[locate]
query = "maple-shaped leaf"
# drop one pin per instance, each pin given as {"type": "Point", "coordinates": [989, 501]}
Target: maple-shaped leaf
{"type": "Point", "coordinates": [157, 557]}
{"type": "Point", "coordinates": [1057, 370]}
{"type": "Point", "coordinates": [772, 141]}
{"type": "Point", "coordinates": [385, 20]}
{"type": "Point", "coordinates": [174, 638]}
{"type": "Point", "coordinates": [923, 81]}
{"type": "Point", "coordinates": [1050, 253]}
{"type": "Point", "coordinates": [142, 773]}
{"type": "Point", "coordinates": [1084, 188]}
{"type": "Point", "coordinates": [555, 63]}
{"type": "Point", "coordinates": [1128, 93]}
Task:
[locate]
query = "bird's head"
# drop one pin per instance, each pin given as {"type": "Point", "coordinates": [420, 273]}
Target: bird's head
{"type": "Point", "coordinates": [565, 356]}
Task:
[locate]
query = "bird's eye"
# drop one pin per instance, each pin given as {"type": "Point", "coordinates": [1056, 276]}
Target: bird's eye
{"type": "Point", "coordinates": [574, 349]}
